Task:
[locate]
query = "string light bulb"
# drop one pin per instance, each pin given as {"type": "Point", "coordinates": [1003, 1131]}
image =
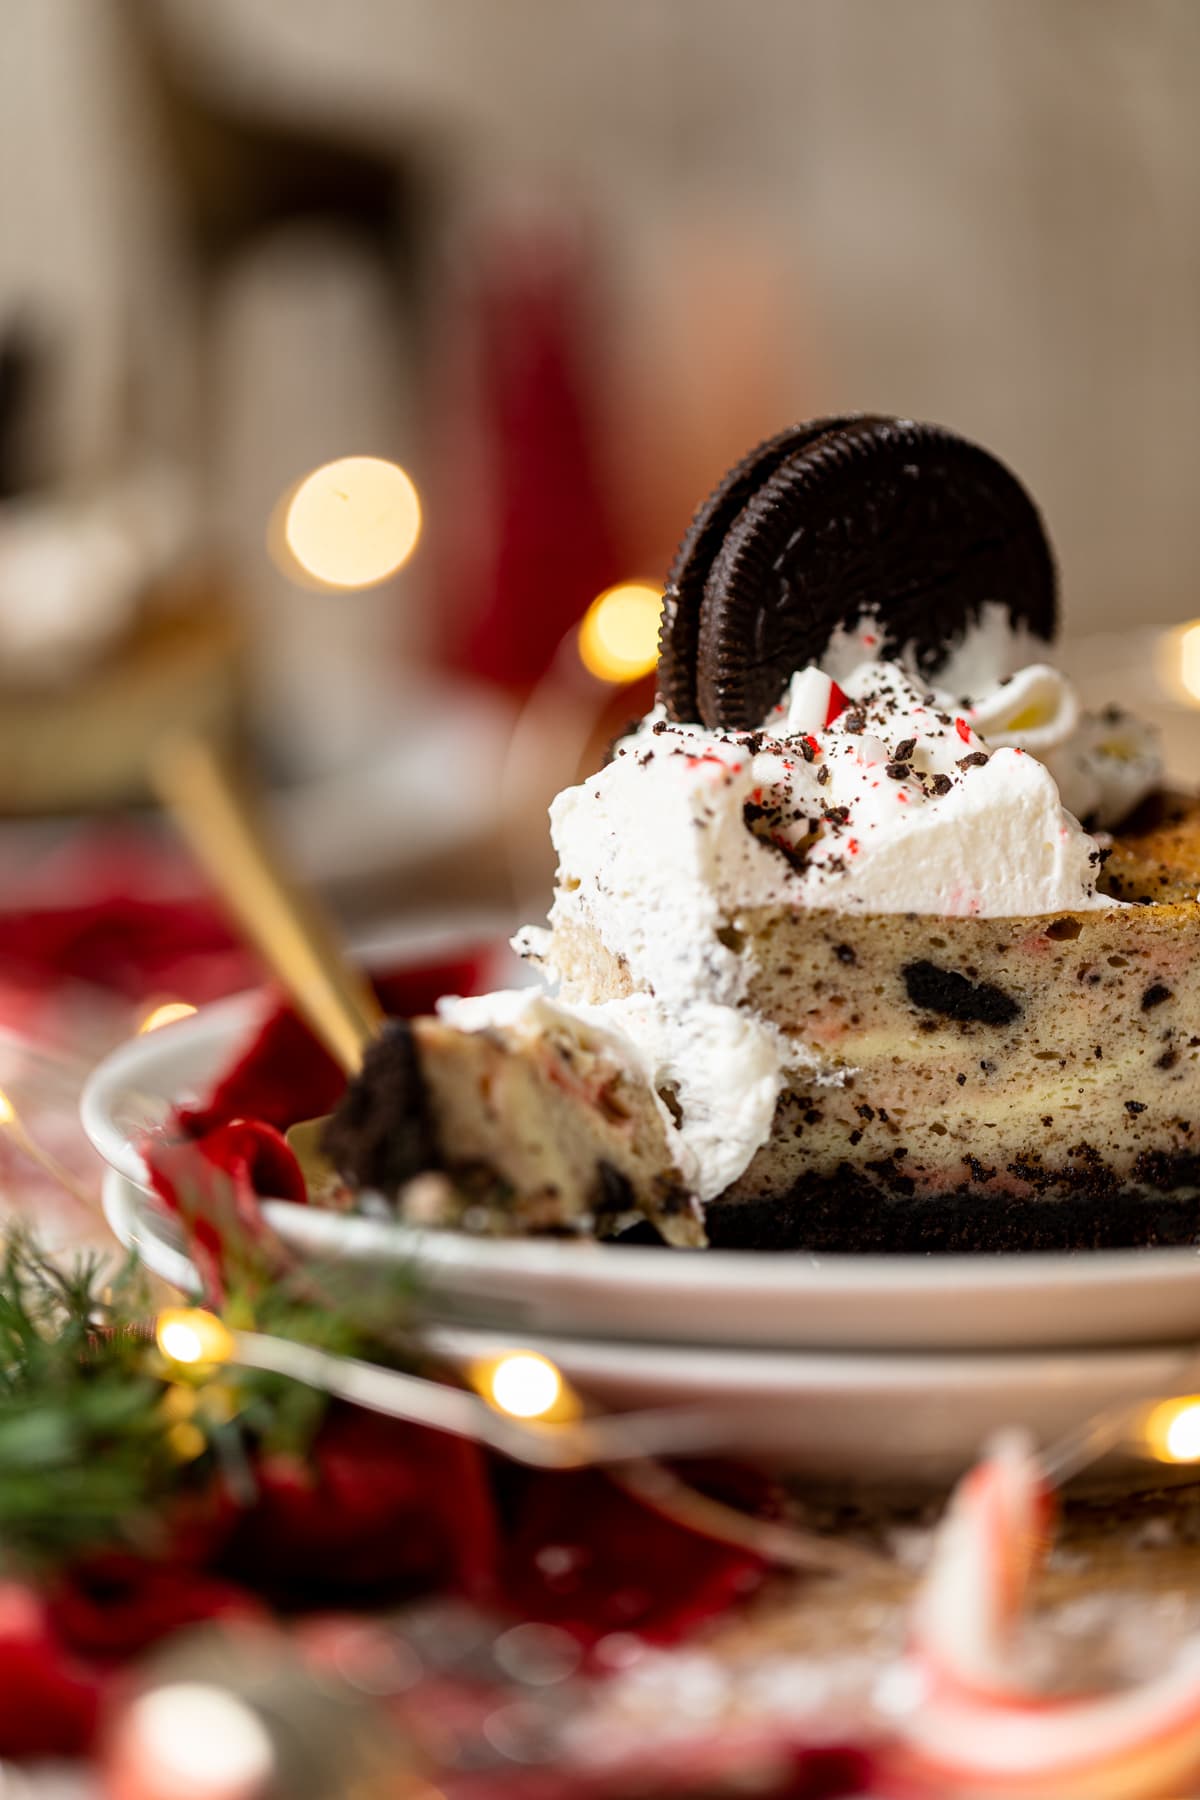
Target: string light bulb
{"type": "Point", "coordinates": [1173, 1430]}
{"type": "Point", "coordinates": [169, 1013]}
{"type": "Point", "coordinates": [618, 636]}
{"type": "Point", "coordinates": [349, 524]}
{"type": "Point", "coordinates": [525, 1385]}
{"type": "Point", "coordinates": [189, 1335]}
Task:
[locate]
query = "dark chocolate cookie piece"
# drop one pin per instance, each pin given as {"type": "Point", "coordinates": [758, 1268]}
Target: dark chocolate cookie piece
{"type": "Point", "coordinates": [381, 1134]}
{"type": "Point", "coordinates": [679, 633]}
{"type": "Point", "coordinates": [904, 523]}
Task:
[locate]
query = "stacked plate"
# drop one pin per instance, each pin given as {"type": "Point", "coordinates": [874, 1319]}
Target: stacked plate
{"type": "Point", "coordinates": [869, 1368]}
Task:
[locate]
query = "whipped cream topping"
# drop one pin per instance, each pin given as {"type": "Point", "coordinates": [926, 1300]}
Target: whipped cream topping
{"type": "Point", "coordinates": [1102, 763]}
{"type": "Point", "coordinates": [871, 798]}
{"type": "Point", "coordinates": [868, 795]}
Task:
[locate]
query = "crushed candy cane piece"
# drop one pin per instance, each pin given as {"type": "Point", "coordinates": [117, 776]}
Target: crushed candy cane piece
{"type": "Point", "coordinates": [971, 1721]}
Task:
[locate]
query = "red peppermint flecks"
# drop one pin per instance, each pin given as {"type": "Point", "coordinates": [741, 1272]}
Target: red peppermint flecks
{"type": "Point", "coordinates": [837, 703]}
{"type": "Point", "coordinates": [695, 762]}
{"type": "Point", "coordinates": [809, 739]}
{"type": "Point", "coordinates": [963, 730]}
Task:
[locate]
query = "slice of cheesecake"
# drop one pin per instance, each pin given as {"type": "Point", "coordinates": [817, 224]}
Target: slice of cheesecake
{"type": "Point", "coordinates": [985, 1084]}
{"type": "Point", "coordinates": [838, 966]}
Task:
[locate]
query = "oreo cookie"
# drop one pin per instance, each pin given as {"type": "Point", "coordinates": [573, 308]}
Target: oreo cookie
{"type": "Point", "coordinates": [835, 523]}
{"type": "Point", "coordinates": [683, 596]}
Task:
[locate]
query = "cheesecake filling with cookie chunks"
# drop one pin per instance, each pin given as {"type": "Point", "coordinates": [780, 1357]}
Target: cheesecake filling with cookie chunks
{"type": "Point", "coordinates": [867, 932]}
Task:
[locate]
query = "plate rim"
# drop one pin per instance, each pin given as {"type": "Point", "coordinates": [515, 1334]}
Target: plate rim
{"type": "Point", "coordinates": [854, 1370]}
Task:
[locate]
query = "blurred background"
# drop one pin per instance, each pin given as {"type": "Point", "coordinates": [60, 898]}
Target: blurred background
{"type": "Point", "coordinates": [543, 271]}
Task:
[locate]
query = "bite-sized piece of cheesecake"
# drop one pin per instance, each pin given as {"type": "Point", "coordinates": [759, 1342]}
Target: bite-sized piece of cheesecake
{"type": "Point", "coordinates": [532, 1125]}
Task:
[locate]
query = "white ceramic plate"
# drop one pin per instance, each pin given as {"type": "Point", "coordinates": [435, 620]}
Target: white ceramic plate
{"type": "Point", "coordinates": [1101, 1298]}
{"type": "Point", "coordinates": [898, 1418]}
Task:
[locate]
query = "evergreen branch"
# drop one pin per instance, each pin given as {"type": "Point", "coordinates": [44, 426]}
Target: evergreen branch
{"type": "Point", "coordinates": [90, 1451]}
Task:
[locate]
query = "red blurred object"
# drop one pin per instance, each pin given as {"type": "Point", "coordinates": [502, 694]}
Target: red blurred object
{"type": "Point", "coordinates": [135, 947]}
{"type": "Point", "coordinates": [49, 1703]}
{"type": "Point", "coordinates": [380, 1509]}
{"type": "Point", "coordinates": [102, 925]}
{"type": "Point", "coordinates": [133, 923]}
{"type": "Point", "coordinates": [523, 514]}
{"type": "Point", "coordinates": [213, 1183]}
{"type": "Point", "coordinates": [136, 930]}
{"type": "Point", "coordinates": [701, 1772]}
{"type": "Point", "coordinates": [591, 1558]}
{"type": "Point", "coordinates": [284, 1075]}
{"type": "Point", "coordinates": [114, 1605]}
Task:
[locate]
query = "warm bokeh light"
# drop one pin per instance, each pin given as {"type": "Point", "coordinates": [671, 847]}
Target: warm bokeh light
{"type": "Point", "coordinates": [186, 1441]}
{"type": "Point", "coordinates": [1189, 659]}
{"type": "Point", "coordinates": [353, 522]}
{"type": "Point", "coordinates": [1176, 662]}
{"type": "Point", "coordinates": [8, 1112]}
{"type": "Point", "coordinates": [188, 1334]}
{"type": "Point", "coordinates": [190, 1738]}
{"type": "Point", "coordinates": [1173, 1430]}
{"type": "Point", "coordinates": [618, 637]}
{"type": "Point", "coordinates": [523, 1384]}
{"type": "Point", "coordinates": [167, 1014]}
